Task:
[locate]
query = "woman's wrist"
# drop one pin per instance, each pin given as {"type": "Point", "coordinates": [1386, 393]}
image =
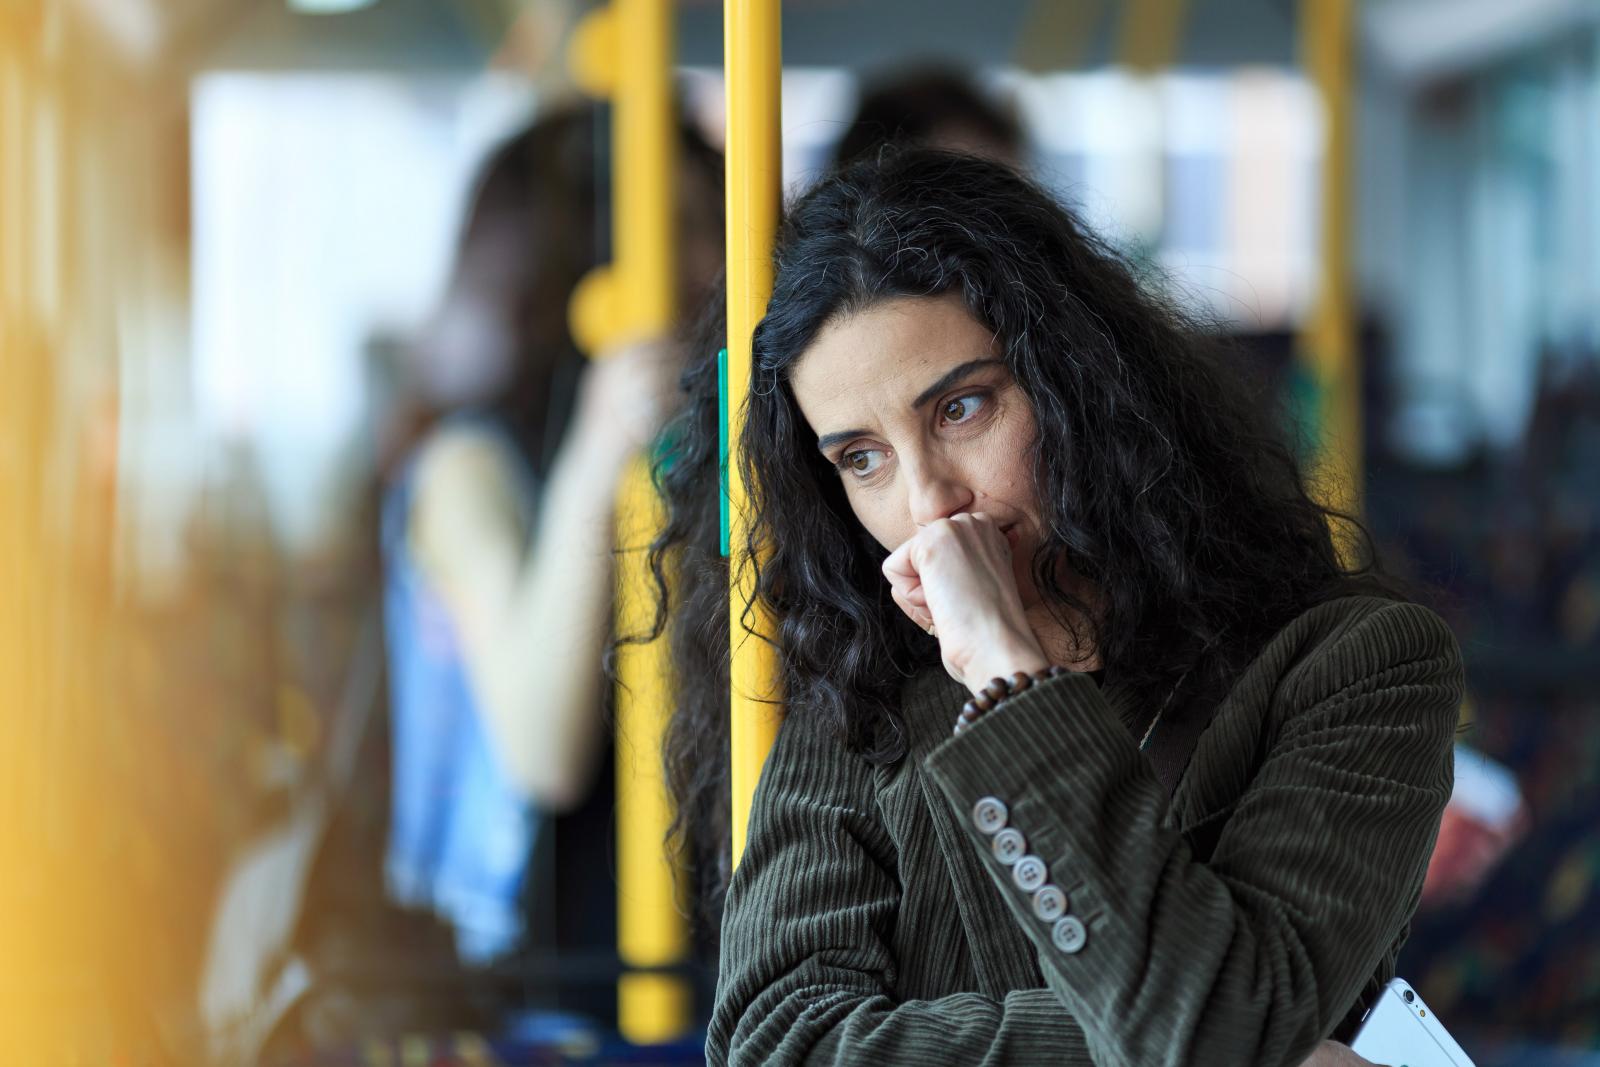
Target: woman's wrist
{"type": "Point", "coordinates": [998, 690]}
{"type": "Point", "coordinates": [1005, 662]}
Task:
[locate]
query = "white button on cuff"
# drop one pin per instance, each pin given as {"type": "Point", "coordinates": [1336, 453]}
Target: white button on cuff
{"type": "Point", "coordinates": [1029, 873]}
{"type": "Point", "coordinates": [1049, 903]}
{"type": "Point", "coordinates": [990, 815]}
{"type": "Point", "coordinates": [1069, 934]}
{"type": "Point", "coordinates": [1009, 846]}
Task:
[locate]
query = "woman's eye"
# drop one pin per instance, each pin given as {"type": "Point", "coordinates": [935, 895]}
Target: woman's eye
{"type": "Point", "coordinates": [862, 461]}
{"type": "Point", "coordinates": [962, 408]}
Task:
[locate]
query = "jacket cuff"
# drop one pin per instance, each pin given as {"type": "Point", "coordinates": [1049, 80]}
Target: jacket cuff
{"type": "Point", "coordinates": [1059, 735]}
{"type": "Point", "coordinates": [1056, 758]}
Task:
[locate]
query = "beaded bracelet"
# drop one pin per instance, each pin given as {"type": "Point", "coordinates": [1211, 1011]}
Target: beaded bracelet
{"type": "Point", "coordinates": [998, 689]}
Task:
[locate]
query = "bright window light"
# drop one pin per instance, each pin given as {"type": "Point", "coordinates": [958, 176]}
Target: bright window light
{"type": "Point", "coordinates": [328, 7]}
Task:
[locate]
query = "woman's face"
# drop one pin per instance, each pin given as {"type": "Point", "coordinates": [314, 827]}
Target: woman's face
{"type": "Point", "coordinates": [912, 403]}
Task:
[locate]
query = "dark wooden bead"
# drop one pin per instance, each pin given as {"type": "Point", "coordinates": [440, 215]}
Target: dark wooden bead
{"type": "Point", "coordinates": [998, 689]}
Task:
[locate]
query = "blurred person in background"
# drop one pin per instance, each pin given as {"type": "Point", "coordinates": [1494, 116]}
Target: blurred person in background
{"type": "Point", "coordinates": [933, 106]}
{"type": "Point", "coordinates": [497, 532]}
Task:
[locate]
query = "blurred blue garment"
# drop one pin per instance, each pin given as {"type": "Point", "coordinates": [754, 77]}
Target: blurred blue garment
{"type": "Point", "coordinates": [460, 833]}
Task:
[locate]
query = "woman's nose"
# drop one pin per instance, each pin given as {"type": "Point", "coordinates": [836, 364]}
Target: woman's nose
{"type": "Point", "coordinates": [935, 494]}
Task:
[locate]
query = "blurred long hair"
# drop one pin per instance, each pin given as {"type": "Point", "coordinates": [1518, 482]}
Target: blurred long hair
{"type": "Point", "coordinates": [535, 226]}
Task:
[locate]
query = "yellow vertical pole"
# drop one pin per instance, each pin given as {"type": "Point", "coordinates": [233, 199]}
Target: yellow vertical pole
{"type": "Point", "coordinates": [1328, 342]}
{"type": "Point", "coordinates": [651, 930]}
{"type": "Point", "coordinates": [645, 171]}
{"type": "Point", "coordinates": [754, 67]}
{"type": "Point", "coordinates": [625, 51]}
{"type": "Point", "coordinates": [1150, 33]}
{"type": "Point", "coordinates": [1056, 36]}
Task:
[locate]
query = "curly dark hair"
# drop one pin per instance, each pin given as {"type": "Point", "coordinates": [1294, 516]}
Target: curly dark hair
{"type": "Point", "coordinates": [1161, 479]}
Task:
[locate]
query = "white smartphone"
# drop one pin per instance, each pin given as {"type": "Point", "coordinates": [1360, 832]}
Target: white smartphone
{"type": "Point", "coordinates": [1401, 1031]}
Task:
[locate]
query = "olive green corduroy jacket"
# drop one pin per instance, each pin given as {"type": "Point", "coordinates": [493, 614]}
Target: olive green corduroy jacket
{"type": "Point", "coordinates": [1240, 922]}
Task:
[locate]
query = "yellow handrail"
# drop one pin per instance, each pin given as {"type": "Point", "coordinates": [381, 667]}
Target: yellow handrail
{"type": "Point", "coordinates": [753, 62]}
{"type": "Point", "coordinates": [1327, 341]}
{"type": "Point", "coordinates": [624, 51]}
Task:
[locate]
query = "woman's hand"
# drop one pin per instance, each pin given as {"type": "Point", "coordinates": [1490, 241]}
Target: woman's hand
{"type": "Point", "coordinates": [955, 576]}
{"type": "Point", "coordinates": [623, 399]}
{"type": "Point", "coordinates": [1333, 1054]}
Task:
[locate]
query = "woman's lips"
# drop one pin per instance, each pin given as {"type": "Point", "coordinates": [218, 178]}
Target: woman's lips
{"type": "Point", "coordinates": [1011, 534]}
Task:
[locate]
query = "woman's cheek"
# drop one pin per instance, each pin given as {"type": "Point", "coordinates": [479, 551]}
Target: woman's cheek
{"type": "Point", "coordinates": [881, 528]}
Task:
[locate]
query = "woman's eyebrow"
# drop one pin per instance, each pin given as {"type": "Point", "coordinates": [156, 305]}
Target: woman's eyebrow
{"type": "Point", "coordinates": [951, 377]}
{"type": "Point", "coordinates": [828, 440]}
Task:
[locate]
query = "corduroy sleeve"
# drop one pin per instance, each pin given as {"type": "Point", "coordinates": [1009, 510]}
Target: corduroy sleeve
{"type": "Point", "coordinates": [807, 968]}
{"type": "Point", "coordinates": [1253, 956]}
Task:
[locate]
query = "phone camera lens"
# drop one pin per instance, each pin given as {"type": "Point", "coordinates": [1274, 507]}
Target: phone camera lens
{"type": "Point", "coordinates": [1410, 996]}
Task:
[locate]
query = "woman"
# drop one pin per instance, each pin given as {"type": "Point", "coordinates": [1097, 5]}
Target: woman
{"type": "Point", "coordinates": [979, 449]}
